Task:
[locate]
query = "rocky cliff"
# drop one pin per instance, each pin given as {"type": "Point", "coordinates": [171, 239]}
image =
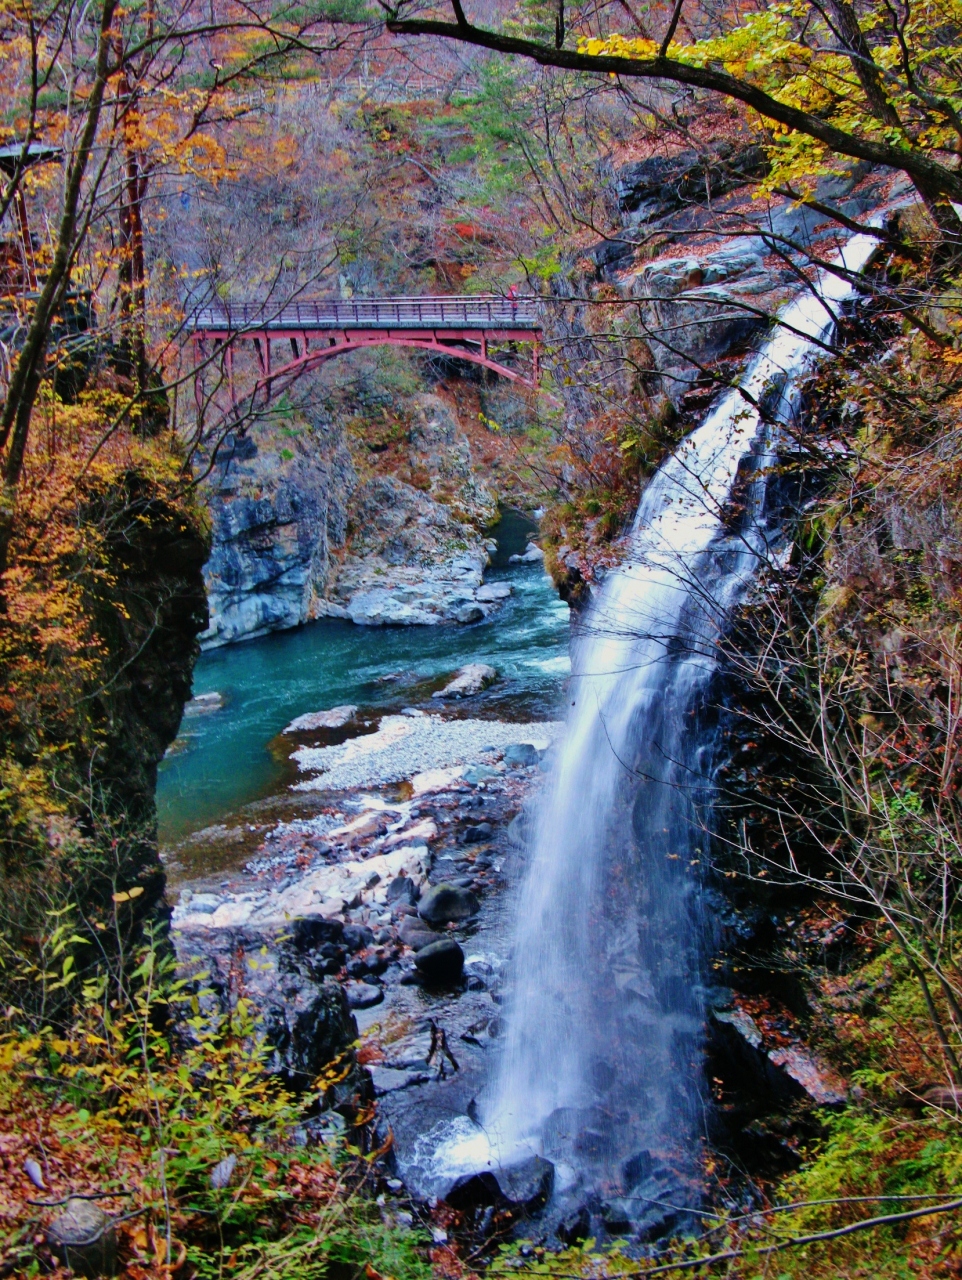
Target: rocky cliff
{"type": "Point", "coordinates": [378, 522]}
{"type": "Point", "coordinates": [278, 499]}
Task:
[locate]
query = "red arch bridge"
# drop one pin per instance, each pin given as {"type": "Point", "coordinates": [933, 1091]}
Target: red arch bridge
{"type": "Point", "coordinates": [315, 331]}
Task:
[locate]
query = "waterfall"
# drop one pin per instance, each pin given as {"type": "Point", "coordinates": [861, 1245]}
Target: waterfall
{"type": "Point", "coordinates": [600, 1070]}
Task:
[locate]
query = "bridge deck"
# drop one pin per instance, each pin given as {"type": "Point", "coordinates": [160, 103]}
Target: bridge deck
{"type": "Point", "coordinates": [326, 314]}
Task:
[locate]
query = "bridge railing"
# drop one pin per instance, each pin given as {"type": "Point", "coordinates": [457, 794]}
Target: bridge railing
{"type": "Point", "coordinates": [482, 312]}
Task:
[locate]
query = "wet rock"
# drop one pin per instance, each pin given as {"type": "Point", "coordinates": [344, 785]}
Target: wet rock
{"type": "Point", "coordinates": [415, 934]}
{"type": "Point", "coordinates": [786, 1072]}
{"type": "Point", "coordinates": [819, 1081]}
{"type": "Point", "coordinates": [574, 1227]}
{"type": "Point", "coordinates": [528, 1184]}
{"type": "Point", "coordinates": [310, 933]}
{"type": "Point", "coordinates": [440, 962]}
{"type": "Point", "coordinates": [469, 613]}
{"type": "Point", "coordinates": [362, 995]}
{"type": "Point", "coordinates": [390, 1080]}
{"type": "Point", "coordinates": [532, 555]}
{"type": "Point", "coordinates": [204, 702]}
{"type": "Point", "coordinates": [335, 718]}
{"type": "Point", "coordinates": [402, 890]}
{"type": "Point", "coordinates": [446, 903]}
{"type": "Point", "coordinates": [357, 936]}
{"type": "Point", "coordinates": [521, 755]}
{"type": "Point", "coordinates": [469, 681]}
{"type": "Point", "coordinates": [479, 834]}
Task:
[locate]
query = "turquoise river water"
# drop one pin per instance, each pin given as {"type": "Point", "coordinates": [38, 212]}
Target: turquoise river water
{"type": "Point", "coordinates": [222, 759]}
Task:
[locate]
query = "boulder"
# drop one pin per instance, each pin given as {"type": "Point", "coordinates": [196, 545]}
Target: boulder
{"type": "Point", "coordinates": [444, 903]}
{"type": "Point", "coordinates": [469, 613]}
{"type": "Point", "coordinates": [531, 555]}
{"type": "Point", "coordinates": [492, 591]}
{"type": "Point", "coordinates": [469, 681]}
{"type": "Point", "coordinates": [479, 834]}
{"type": "Point", "coordinates": [362, 995]}
{"type": "Point", "coordinates": [311, 932]}
{"type": "Point", "coordinates": [479, 773]}
{"type": "Point", "coordinates": [307, 1025]}
{"type": "Point", "coordinates": [335, 718]}
{"type": "Point", "coordinates": [574, 1227]}
{"type": "Point", "coordinates": [529, 1183]}
{"type": "Point", "coordinates": [526, 1185]}
{"type": "Point", "coordinates": [357, 936]}
{"type": "Point", "coordinates": [204, 702]}
{"type": "Point", "coordinates": [306, 1021]}
{"type": "Point", "coordinates": [440, 962]}
{"type": "Point", "coordinates": [415, 934]}
{"type": "Point", "coordinates": [521, 754]}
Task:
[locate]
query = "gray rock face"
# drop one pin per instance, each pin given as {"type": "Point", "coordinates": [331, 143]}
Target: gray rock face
{"type": "Point", "coordinates": [441, 962]}
{"type": "Point", "coordinates": [412, 561]}
{"type": "Point", "coordinates": [282, 497]}
{"type": "Point", "coordinates": [278, 504]}
{"type": "Point", "coordinates": [446, 903]}
{"type": "Point", "coordinates": [649, 190]}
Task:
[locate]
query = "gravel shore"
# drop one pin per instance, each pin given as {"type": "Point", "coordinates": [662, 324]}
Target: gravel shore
{"type": "Point", "coordinates": [406, 745]}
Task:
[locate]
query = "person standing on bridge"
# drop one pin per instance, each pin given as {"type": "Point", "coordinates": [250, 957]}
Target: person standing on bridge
{"type": "Point", "coordinates": [512, 296]}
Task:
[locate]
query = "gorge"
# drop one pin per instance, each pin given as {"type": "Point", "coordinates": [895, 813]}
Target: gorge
{"type": "Point", "coordinates": [555, 868]}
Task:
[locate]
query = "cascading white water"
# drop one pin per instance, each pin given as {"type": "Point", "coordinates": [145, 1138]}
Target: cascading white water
{"type": "Point", "coordinates": [600, 1069]}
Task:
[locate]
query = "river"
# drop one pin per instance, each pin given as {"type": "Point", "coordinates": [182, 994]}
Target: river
{"type": "Point", "coordinates": [223, 759]}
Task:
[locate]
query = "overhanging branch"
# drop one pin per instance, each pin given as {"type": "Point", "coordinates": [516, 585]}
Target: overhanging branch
{"type": "Point", "coordinates": [920, 167]}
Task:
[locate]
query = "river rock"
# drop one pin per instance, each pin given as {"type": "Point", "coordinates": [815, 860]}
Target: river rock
{"type": "Point", "coordinates": [470, 680]}
{"type": "Point", "coordinates": [521, 754]}
{"type": "Point", "coordinates": [479, 773]}
{"type": "Point", "coordinates": [335, 718]}
{"type": "Point", "coordinates": [204, 702]}
{"type": "Point", "coordinates": [532, 554]}
{"type": "Point", "coordinates": [479, 834]}
{"type": "Point", "coordinates": [492, 591]}
{"type": "Point", "coordinates": [529, 1183]}
{"type": "Point", "coordinates": [362, 995]}
{"type": "Point", "coordinates": [440, 962]}
{"type": "Point", "coordinates": [444, 903]}
{"type": "Point", "coordinates": [415, 934]}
